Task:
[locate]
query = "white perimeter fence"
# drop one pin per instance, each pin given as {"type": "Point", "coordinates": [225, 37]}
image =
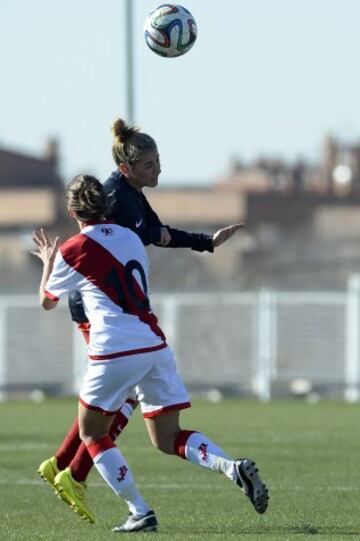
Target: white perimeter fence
{"type": "Point", "coordinates": [256, 343]}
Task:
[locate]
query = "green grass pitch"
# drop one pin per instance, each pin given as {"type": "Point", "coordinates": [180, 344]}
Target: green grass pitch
{"type": "Point", "coordinates": [308, 455]}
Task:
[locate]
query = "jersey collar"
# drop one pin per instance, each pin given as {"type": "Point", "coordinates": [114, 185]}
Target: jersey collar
{"type": "Point", "coordinates": [96, 222]}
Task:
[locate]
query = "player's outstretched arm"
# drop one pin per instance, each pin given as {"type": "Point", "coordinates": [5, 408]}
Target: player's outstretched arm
{"type": "Point", "coordinates": [225, 234]}
{"type": "Point", "coordinates": [45, 250]}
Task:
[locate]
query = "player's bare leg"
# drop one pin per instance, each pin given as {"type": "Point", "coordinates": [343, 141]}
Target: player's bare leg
{"type": "Point", "coordinates": [165, 433]}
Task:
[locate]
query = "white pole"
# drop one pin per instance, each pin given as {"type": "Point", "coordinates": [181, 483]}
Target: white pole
{"type": "Point", "coordinates": [129, 52]}
{"type": "Point", "coordinates": [352, 359]}
{"type": "Point", "coordinates": [3, 394]}
{"type": "Point", "coordinates": [265, 345]}
{"type": "Point", "coordinates": [80, 359]}
{"type": "Point", "coordinates": [168, 319]}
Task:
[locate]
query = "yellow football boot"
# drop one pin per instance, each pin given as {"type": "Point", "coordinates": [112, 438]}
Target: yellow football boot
{"type": "Point", "coordinates": [74, 491]}
{"type": "Point", "coordinates": [48, 470]}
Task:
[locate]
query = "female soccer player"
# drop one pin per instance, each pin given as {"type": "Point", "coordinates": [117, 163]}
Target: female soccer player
{"type": "Point", "coordinates": [138, 165]}
{"type": "Point", "coordinates": [108, 264]}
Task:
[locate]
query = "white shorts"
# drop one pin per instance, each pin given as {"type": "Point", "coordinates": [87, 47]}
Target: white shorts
{"type": "Point", "coordinates": [159, 387]}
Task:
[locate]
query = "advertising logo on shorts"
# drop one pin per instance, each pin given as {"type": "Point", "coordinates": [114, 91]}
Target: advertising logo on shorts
{"type": "Point", "coordinates": [122, 473]}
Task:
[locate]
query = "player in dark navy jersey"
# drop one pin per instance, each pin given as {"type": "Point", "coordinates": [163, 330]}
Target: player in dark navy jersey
{"type": "Point", "coordinates": [130, 208]}
{"type": "Point", "coordinates": [138, 165]}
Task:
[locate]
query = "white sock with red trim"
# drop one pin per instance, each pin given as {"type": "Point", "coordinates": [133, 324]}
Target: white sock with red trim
{"type": "Point", "coordinates": [113, 468]}
{"type": "Point", "coordinates": [198, 449]}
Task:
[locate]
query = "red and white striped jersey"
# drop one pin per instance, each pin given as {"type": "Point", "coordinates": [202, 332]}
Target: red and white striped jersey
{"type": "Point", "coordinates": [109, 265]}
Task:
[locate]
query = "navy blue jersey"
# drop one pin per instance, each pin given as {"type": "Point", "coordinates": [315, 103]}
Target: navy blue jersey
{"type": "Point", "coordinates": [130, 208]}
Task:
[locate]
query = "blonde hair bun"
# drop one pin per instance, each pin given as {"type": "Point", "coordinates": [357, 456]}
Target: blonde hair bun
{"type": "Point", "coordinates": [122, 131]}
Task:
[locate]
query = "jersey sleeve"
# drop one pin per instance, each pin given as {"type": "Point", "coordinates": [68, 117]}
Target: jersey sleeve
{"type": "Point", "coordinates": [127, 213]}
{"type": "Point", "coordinates": [200, 242]}
{"type": "Point", "coordinates": [62, 279]}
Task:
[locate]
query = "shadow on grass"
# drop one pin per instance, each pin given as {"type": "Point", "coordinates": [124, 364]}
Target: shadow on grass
{"type": "Point", "coordinates": [333, 530]}
{"type": "Point", "coordinates": [305, 529]}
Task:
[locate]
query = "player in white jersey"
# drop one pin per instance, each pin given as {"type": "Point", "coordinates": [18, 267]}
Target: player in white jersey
{"type": "Point", "coordinates": [108, 264]}
{"type": "Point", "coordinates": [138, 166]}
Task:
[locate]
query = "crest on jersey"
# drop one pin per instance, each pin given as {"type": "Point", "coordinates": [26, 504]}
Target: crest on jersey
{"type": "Point", "coordinates": [107, 231]}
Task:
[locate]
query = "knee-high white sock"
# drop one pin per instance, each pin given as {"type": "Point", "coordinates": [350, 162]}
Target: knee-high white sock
{"type": "Point", "coordinates": [114, 469]}
{"type": "Point", "coordinates": [199, 449]}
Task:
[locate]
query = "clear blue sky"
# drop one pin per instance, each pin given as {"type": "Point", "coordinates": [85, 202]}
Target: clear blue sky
{"type": "Point", "coordinates": [265, 76]}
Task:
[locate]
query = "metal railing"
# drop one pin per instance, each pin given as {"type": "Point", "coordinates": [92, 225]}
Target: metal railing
{"type": "Point", "coordinates": [253, 343]}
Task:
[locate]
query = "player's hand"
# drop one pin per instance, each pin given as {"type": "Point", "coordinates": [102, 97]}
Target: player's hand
{"type": "Point", "coordinates": [165, 238]}
{"type": "Point", "coordinates": [225, 234]}
{"type": "Point", "coordinates": [44, 249]}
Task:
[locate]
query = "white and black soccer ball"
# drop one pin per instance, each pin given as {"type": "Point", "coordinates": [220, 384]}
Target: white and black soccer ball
{"type": "Point", "coordinates": [170, 30]}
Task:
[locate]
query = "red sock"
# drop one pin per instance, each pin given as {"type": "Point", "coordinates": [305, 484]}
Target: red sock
{"type": "Point", "coordinates": [81, 464]}
{"type": "Point", "coordinates": [69, 446]}
{"type": "Point", "coordinates": [180, 442]}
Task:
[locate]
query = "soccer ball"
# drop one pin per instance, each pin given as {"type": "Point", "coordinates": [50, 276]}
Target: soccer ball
{"type": "Point", "coordinates": [170, 30]}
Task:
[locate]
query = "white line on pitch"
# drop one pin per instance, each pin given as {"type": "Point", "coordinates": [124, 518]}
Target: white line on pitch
{"type": "Point", "coordinates": [167, 486]}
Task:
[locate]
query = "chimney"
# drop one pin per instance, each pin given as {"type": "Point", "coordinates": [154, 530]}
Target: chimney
{"type": "Point", "coordinates": [52, 151]}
